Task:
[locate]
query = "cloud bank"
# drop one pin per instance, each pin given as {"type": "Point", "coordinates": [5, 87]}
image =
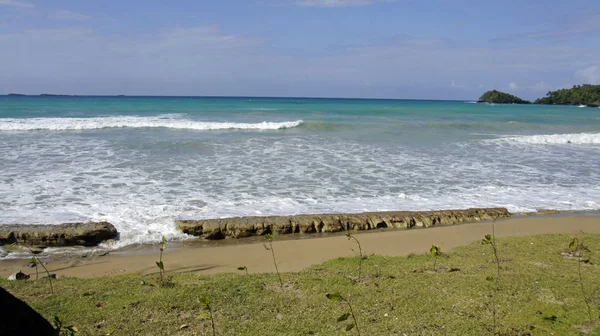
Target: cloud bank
{"type": "Point", "coordinates": [77, 56]}
{"type": "Point", "coordinates": [338, 3]}
{"type": "Point", "coordinates": [589, 75]}
{"type": "Point", "coordinates": [15, 3]}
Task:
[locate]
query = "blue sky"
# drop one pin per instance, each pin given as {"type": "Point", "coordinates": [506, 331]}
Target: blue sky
{"type": "Point", "coordinates": [432, 49]}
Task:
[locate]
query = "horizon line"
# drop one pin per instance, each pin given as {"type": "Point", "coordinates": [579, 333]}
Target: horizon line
{"type": "Point", "coordinates": [51, 95]}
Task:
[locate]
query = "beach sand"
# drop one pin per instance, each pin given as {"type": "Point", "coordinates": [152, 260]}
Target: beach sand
{"type": "Point", "coordinates": [294, 255]}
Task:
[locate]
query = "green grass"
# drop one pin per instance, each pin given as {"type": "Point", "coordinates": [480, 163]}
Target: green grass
{"type": "Point", "coordinates": [539, 295]}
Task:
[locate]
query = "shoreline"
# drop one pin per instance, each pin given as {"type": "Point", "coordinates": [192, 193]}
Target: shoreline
{"type": "Point", "coordinates": [196, 241]}
{"type": "Point", "coordinates": [297, 254]}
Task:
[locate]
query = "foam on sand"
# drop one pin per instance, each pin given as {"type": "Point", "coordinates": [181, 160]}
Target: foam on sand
{"type": "Point", "coordinates": [296, 255]}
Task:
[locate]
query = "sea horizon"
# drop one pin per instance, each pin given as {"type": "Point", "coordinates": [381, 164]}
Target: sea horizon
{"type": "Point", "coordinates": [60, 95]}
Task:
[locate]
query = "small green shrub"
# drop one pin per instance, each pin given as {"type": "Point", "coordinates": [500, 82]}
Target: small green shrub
{"type": "Point", "coordinates": [350, 313]}
{"type": "Point", "coordinates": [269, 238]}
{"type": "Point", "coordinates": [160, 264]}
{"type": "Point", "coordinates": [208, 313]}
{"type": "Point", "coordinates": [491, 241]}
{"type": "Point", "coordinates": [359, 254]}
{"type": "Point", "coordinates": [577, 249]}
{"type": "Point", "coordinates": [435, 251]}
{"type": "Point", "coordinates": [35, 261]}
{"type": "Point", "coordinates": [61, 329]}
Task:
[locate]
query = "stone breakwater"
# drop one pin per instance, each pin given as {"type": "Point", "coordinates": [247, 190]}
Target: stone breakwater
{"type": "Point", "coordinates": [240, 227]}
{"type": "Point", "coordinates": [93, 233]}
{"type": "Point", "coordinates": [67, 234]}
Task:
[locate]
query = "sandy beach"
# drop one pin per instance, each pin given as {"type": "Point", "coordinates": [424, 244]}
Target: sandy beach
{"type": "Point", "coordinates": [294, 255]}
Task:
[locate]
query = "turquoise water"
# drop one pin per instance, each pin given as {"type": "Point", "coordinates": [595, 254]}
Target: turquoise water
{"type": "Point", "coordinates": [140, 162]}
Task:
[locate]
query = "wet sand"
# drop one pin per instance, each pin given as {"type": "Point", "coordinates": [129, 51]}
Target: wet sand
{"type": "Point", "coordinates": [294, 255]}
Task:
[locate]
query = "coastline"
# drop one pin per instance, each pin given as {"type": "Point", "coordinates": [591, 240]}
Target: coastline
{"type": "Point", "coordinates": [298, 252]}
{"type": "Point", "coordinates": [139, 167]}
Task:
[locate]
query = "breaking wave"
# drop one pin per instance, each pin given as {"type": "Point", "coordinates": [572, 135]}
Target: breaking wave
{"type": "Point", "coordinates": [574, 138]}
{"type": "Point", "coordinates": [65, 124]}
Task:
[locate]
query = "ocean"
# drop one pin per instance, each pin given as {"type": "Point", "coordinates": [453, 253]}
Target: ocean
{"type": "Point", "coordinates": [141, 162]}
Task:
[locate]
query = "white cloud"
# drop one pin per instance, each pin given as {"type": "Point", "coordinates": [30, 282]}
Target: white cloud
{"type": "Point", "coordinates": [589, 75]}
{"type": "Point", "coordinates": [455, 85]}
{"type": "Point", "coordinates": [513, 86]}
{"type": "Point", "coordinates": [38, 37]}
{"type": "Point", "coordinates": [68, 15]}
{"type": "Point", "coordinates": [337, 3]}
{"type": "Point", "coordinates": [16, 3]}
{"type": "Point", "coordinates": [583, 27]}
{"type": "Point", "coordinates": [208, 60]}
{"type": "Point", "coordinates": [195, 52]}
{"type": "Point", "coordinates": [542, 86]}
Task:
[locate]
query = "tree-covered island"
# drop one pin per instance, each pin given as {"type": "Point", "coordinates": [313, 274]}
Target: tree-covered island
{"type": "Point", "coordinates": [579, 95]}
{"type": "Point", "coordinates": [586, 94]}
{"type": "Point", "coordinates": [497, 97]}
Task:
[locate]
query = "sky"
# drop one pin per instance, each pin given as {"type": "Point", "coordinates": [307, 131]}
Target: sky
{"type": "Point", "coordinates": [407, 49]}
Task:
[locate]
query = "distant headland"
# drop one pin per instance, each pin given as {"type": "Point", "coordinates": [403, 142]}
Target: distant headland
{"type": "Point", "coordinates": [497, 97]}
{"type": "Point", "coordinates": [57, 95]}
{"type": "Point", "coordinates": [40, 95]}
{"type": "Point", "coordinates": [585, 95]}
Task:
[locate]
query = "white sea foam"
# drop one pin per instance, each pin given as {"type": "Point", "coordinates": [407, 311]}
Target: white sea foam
{"type": "Point", "coordinates": [577, 139]}
{"type": "Point", "coordinates": [142, 183]}
{"type": "Point", "coordinates": [163, 121]}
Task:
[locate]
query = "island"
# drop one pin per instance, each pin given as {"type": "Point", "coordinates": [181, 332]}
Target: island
{"type": "Point", "coordinates": [582, 95]}
{"type": "Point", "coordinates": [498, 97]}
{"type": "Point", "coordinates": [586, 95]}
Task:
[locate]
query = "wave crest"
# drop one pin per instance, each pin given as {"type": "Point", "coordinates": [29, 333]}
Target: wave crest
{"type": "Point", "coordinates": [574, 138]}
{"type": "Point", "coordinates": [65, 124]}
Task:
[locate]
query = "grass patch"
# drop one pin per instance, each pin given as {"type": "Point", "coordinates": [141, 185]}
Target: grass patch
{"type": "Point", "coordinates": [540, 294]}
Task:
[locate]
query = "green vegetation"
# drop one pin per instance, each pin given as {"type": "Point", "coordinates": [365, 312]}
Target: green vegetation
{"type": "Point", "coordinates": [497, 97]}
{"type": "Point", "coordinates": [435, 251]}
{"type": "Point", "coordinates": [205, 301]}
{"type": "Point", "coordinates": [35, 261]}
{"type": "Point", "coordinates": [344, 316]}
{"type": "Point", "coordinates": [491, 241]}
{"type": "Point", "coordinates": [159, 263]}
{"type": "Point", "coordinates": [269, 238]}
{"type": "Point", "coordinates": [540, 295]}
{"type": "Point", "coordinates": [576, 250]}
{"type": "Point", "coordinates": [359, 254]}
{"type": "Point", "coordinates": [586, 94]}
{"type": "Point", "coordinates": [62, 329]}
